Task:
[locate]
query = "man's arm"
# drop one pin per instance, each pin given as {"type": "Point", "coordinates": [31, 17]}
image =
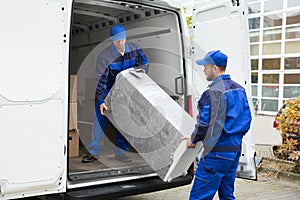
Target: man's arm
{"type": "Point", "coordinates": [203, 118]}
{"type": "Point", "coordinates": [101, 87]}
{"type": "Point", "coordinates": [141, 60]}
{"type": "Point", "coordinates": [101, 75]}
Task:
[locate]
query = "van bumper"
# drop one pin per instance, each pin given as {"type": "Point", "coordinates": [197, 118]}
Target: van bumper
{"type": "Point", "coordinates": [128, 188]}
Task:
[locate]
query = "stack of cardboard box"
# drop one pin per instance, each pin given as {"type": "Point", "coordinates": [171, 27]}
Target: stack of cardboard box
{"type": "Point", "coordinates": [86, 111]}
{"type": "Point", "coordinates": [73, 129]}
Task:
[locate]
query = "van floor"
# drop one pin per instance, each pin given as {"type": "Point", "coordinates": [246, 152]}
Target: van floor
{"type": "Point", "coordinates": [106, 162]}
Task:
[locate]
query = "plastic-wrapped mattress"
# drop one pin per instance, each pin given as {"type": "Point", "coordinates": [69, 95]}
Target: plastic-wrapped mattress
{"type": "Point", "coordinates": [152, 122]}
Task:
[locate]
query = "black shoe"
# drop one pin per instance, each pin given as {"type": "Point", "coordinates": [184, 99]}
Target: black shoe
{"type": "Point", "coordinates": [123, 158]}
{"type": "Point", "coordinates": [88, 159]}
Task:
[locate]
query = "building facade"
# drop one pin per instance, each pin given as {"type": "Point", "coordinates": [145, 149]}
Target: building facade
{"type": "Point", "coordinates": [274, 30]}
{"type": "Point", "coordinates": [275, 52]}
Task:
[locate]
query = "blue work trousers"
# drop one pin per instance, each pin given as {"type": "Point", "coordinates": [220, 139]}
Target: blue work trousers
{"type": "Point", "coordinates": [99, 128]}
{"type": "Point", "coordinates": [215, 172]}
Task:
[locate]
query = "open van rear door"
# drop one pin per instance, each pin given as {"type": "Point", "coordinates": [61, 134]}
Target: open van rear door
{"type": "Point", "coordinates": [222, 24]}
{"type": "Point", "coordinates": [33, 97]}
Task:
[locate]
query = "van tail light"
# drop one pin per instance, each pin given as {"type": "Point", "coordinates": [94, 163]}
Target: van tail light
{"type": "Point", "coordinates": [190, 105]}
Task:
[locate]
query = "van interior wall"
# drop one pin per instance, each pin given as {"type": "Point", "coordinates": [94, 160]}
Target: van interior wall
{"type": "Point", "coordinates": [158, 36]}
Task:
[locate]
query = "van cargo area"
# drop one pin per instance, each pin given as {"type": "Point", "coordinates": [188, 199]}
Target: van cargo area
{"type": "Point", "coordinates": [158, 32]}
{"type": "Point", "coordinates": [49, 75]}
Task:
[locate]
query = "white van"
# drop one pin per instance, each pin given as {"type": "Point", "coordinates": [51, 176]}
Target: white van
{"type": "Point", "coordinates": [49, 46]}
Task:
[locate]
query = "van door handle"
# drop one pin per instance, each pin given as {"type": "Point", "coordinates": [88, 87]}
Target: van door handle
{"type": "Point", "coordinates": [179, 85]}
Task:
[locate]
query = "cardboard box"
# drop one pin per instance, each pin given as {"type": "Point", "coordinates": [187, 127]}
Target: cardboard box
{"type": "Point", "coordinates": [87, 110]}
{"type": "Point", "coordinates": [73, 88]}
{"type": "Point", "coordinates": [72, 116]}
{"type": "Point", "coordinates": [152, 122]}
{"type": "Point", "coordinates": [74, 143]}
{"type": "Point", "coordinates": [86, 132]}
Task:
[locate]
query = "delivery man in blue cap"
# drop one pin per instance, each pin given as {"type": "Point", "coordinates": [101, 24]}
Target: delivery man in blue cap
{"type": "Point", "coordinates": [121, 55]}
{"type": "Point", "coordinates": [224, 118]}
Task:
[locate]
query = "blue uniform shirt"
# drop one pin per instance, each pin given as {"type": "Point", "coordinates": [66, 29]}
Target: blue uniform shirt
{"type": "Point", "coordinates": [110, 62]}
{"type": "Point", "coordinates": [224, 116]}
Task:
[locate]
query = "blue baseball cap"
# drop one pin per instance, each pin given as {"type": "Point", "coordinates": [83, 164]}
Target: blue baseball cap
{"type": "Point", "coordinates": [117, 32]}
{"type": "Point", "coordinates": [215, 57]}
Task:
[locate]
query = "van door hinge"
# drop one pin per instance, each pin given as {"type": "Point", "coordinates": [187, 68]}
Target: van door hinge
{"type": "Point", "coordinates": [236, 2]}
{"type": "Point", "coordinates": [190, 50]}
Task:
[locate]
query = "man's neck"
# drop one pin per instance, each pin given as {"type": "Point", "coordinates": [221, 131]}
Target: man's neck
{"type": "Point", "coordinates": [122, 52]}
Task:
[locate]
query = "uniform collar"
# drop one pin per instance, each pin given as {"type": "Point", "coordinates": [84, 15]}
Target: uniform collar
{"type": "Point", "coordinates": [115, 52]}
{"type": "Point", "coordinates": [218, 78]}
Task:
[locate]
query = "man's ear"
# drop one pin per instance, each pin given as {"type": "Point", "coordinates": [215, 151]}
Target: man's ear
{"type": "Point", "coordinates": [215, 68]}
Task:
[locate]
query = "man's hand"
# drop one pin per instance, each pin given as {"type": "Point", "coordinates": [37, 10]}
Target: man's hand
{"type": "Point", "coordinates": [189, 142]}
{"type": "Point", "coordinates": [102, 108]}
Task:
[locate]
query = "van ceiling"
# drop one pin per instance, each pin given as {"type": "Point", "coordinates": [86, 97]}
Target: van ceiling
{"type": "Point", "coordinates": [91, 14]}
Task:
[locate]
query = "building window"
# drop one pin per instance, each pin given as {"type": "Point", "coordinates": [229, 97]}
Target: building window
{"type": "Point", "coordinates": [292, 78]}
{"type": "Point", "coordinates": [254, 49]}
{"type": "Point", "coordinates": [293, 25]}
{"type": "Point", "coordinates": [254, 90]}
{"type": "Point", "coordinates": [270, 78]}
{"type": "Point", "coordinates": [254, 77]}
{"type": "Point", "coordinates": [271, 48]}
{"type": "Point", "coordinates": [254, 64]}
{"type": "Point", "coordinates": [269, 105]}
{"type": "Point", "coordinates": [293, 3]}
{"type": "Point", "coordinates": [292, 63]}
{"type": "Point", "coordinates": [273, 20]}
{"type": "Point", "coordinates": [254, 7]}
{"type": "Point", "coordinates": [254, 36]}
{"type": "Point", "coordinates": [292, 47]}
{"type": "Point", "coordinates": [291, 91]}
{"type": "Point", "coordinates": [272, 34]}
{"type": "Point", "coordinates": [254, 23]}
{"type": "Point", "coordinates": [272, 5]}
{"type": "Point", "coordinates": [274, 31]}
{"type": "Point", "coordinates": [292, 32]}
{"type": "Point", "coordinates": [271, 64]}
{"type": "Point", "coordinates": [270, 91]}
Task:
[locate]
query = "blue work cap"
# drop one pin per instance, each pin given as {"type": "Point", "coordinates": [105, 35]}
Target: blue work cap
{"type": "Point", "coordinates": [117, 32]}
{"type": "Point", "coordinates": [215, 57]}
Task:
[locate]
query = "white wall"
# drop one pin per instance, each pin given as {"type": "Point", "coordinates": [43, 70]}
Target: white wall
{"type": "Point", "coordinates": [264, 133]}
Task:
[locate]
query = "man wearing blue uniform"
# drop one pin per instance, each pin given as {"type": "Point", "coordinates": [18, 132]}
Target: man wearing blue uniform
{"type": "Point", "coordinates": [224, 118]}
{"type": "Point", "coordinates": [120, 56]}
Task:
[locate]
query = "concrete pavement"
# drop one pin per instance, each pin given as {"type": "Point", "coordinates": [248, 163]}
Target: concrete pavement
{"type": "Point", "coordinates": [267, 187]}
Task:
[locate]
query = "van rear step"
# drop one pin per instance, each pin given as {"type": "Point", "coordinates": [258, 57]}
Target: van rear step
{"type": "Point", "coordinates": [104, 173]}
{"type": "Point", "coordinates": [114, 190]}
